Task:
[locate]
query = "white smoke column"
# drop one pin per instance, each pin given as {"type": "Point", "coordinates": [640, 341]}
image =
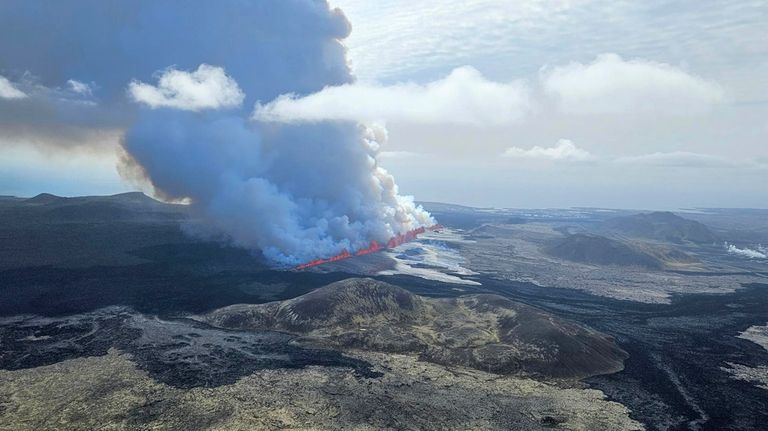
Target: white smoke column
{"type": "Point", "coordinates": [759, 253]}
{"type": "Point", "coordinates": [181, 82]}
{"type": "Point", "coordinates": [296, 193]}
{"type": "Point", "coordinates": [292, 192]}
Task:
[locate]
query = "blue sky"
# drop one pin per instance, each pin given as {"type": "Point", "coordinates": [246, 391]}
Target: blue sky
{"type": "Point", "coordinates": [682, 150]}
{"type": "Point", "coordinates": [657, 104]}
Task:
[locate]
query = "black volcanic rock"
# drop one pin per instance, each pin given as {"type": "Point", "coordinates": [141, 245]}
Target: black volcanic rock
{"type": "Point", "coordinates": [599, 250]}
{"type": "Point", "coordinates": [180, 353]}
{"type": "Point", "coordinates": [485, 332]}
{"type": "Point", "coordinates": [85, 231]}
{"type": "Point", "coordinates": [661, 225]}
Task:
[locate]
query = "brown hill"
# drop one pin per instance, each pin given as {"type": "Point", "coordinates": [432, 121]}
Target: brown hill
{"type": "Point", "coordinates": [599, 250]}
{"type": "Point", "coordinates": [486, 332]}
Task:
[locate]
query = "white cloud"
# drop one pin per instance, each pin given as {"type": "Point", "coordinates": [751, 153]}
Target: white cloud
{"type": "Point", "coordinates": [608, 85]}
{"type": "Point", "coordinates": [612, 85]}
{"type": "Point", "coordinates": [208, 87]}
{"type": "Point", "coordinates": [80, 87]}
{"type": "Point", "coordinates": [564, 150]}
{"type": "Point", "coordinates": [9, 91]}
{"type": "Point", "coordinates": [462, 97]}
{"type": "Point", "coordinates": [515, 37]}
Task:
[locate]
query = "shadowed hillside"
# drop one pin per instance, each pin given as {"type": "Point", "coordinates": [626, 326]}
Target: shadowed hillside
{"type": "Point", "coordinates": [664, 226]}
{"type": "Point", "coordinates": [599, 250]}
{"type": "Point", "coordinates": [85, 231]}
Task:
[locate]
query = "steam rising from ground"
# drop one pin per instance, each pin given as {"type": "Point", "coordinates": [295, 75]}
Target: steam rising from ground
{"type": "Point", "coordinates": [759, 252]}
{"type": "Point", "coordinates": [296, 193]}
{"type": "Point", "coordinates": [293, 192]}
{"type": "Point", "coordinates": [181, 82]}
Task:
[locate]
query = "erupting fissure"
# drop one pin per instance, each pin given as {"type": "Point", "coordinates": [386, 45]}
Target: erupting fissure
{"type": "Point", "coordinates": [373, 247]}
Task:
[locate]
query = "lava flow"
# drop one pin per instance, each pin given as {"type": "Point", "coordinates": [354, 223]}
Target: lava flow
{"type": "Point", "coordinates": [373, 247]}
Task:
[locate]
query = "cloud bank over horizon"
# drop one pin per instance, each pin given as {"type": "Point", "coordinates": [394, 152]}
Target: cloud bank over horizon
{"type": "Point", "coordinates": [563, 150]}
{"type": "Point", "coordinates": [462, 97]}
{"type": "Point", "coordinates": [566, 151]}
{"type": "Point", "coordinates": [612, 85]}
{"type": "Point", "coordinates": [608, 85]}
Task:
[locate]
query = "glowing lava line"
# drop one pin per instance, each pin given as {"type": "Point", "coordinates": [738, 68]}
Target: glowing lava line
{"type": "Point", "coordinates": [373, 247]}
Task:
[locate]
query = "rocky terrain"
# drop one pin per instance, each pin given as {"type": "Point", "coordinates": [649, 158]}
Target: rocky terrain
{"type": "Point", "coordinates": [758, 376]}
{"type": "Point", "coordinates": [518, 252]}
{"type": "Point", "coordinates": [485, 332]}
{"type": "Point", "coordinates": [180, 352]}
{"type": "Point", "coordinates": [96, 295]}
{"type": "Point", "coordinates": [110, 393]}
{"type": "Point", "coordinates": [757, 335]}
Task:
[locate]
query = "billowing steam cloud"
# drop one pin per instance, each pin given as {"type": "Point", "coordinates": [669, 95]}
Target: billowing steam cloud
{"type": "Point", "coordinates": [759, 252]}
{"type": "Point", "coordinates": [295, 193]}
{"type": "Point", "coordinates": [180, 81]}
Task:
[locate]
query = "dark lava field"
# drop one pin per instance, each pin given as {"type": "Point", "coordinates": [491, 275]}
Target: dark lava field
{"type": "Point", "coordinates": [139, 298]}
{"type": "Point", "coordinates": [672, 379]}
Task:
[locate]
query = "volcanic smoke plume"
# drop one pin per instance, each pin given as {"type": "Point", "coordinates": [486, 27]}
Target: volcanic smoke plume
{"type": "Point", "coordinates": [182, 81]}
{"type": "Point", "coordinates": [294, 192]}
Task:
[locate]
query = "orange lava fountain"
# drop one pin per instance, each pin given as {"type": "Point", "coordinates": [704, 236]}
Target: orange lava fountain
{"type": "Point", "coordinates": [373, 247]}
